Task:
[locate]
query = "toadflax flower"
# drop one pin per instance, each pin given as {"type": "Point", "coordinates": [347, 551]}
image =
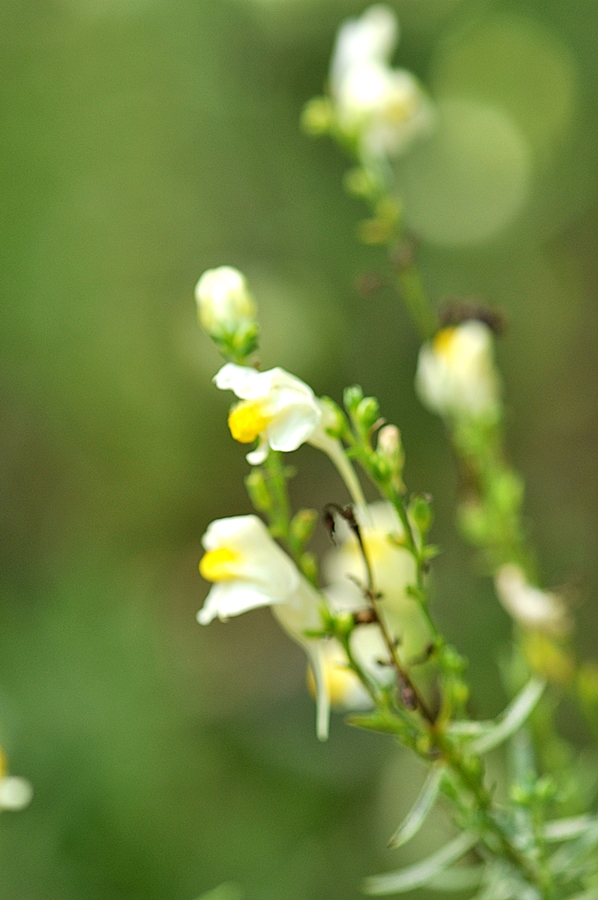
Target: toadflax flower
{"type": "Point", "coordinates": [393, 571]}
{"type": "Point", "coordinates": [276, 408]}
{"type": "Point", "coordinates": [383, 109]}
{"type": "Point", "coordinates": [282, 412]}
{"type": "Point", "coordinates": [248, 570]}
{"type": "Point", "coordinates": [344, 689]}
{"type": "Point", "coordinates": [456, 376]}
{"type": "Point", "coordinates": [531, 607]}
{"type": "Point", "coordinates": [15, 792]}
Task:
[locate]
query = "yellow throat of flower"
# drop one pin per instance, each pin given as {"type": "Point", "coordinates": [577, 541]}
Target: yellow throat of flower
{"type": "Point", "coordinates": [401, 109]}
{"type": "Point", "coordinates": [444, 343]}
{"type": "Point", "coordinates": [378, 546]}
{"type": "Point", "coordinates": [219, 565]}
{"type": "Point", "coordinates": [247, 420]}
{"type": "Point", "coordinates": [339, 680]}
{"type": "Point", "coordinates": [3, 764]}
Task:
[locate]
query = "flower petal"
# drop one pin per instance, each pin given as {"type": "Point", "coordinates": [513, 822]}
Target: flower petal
{"type": "Point", "coordinates": [313, 650]}
{"type": "Point", "coordinates": [256, 457]}
{"type": "Point", "coordinates": [292, 426]}
{"type": "Point", "coordinates": [233, 598]}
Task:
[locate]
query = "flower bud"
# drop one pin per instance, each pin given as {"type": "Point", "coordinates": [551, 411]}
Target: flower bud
{"type": "Point", "coordinates": [420, 509]}
{"type": "Point", "coordinates": [367, 413]}
{"type": "Point", "coordinates": [390, 449]}
{"type": "Point", "coordinates": [317, 116]}
{"type": "Point", "coordinates": [302, 526]}
{"type": "Point", "coordinates": [227, 311]}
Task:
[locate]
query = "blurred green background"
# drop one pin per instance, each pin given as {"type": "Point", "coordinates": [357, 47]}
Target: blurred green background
{"type": "Point", "coordinates": [142, 142]}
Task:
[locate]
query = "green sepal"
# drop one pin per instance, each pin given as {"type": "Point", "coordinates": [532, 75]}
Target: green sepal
{"type": "Point", "coordinates": [257, 488]}
{"type": "Point", "coordinates": [379, 720]}
{"type": "Point", "coordinates": [302, 526]}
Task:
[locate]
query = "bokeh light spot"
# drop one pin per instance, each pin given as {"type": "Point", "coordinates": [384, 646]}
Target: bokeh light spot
{"type": "Point", "coordinates": [518, 65]}
{"type": "Point", "coordinates": [470, 180]}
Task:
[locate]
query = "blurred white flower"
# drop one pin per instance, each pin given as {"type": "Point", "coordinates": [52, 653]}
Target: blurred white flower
{"type": "Point", "coordinates": [224, 304]}
{"type": "Point", "coordinates": [249, 570]}
{"type": "Point", "coordinates": [393, 570]}
{"type": "Point", "coordinates": [343, 686]}
{"type": "Point", "coordinates": [383, 109]}
{"type": "Point", "coordinates": [369, 39]}
{"type": "Point", "coordinates": [15, 792]}
{"type": "Point", "coordinates": [531, 607]}
{"type": "Point", "coordinates": [456, 375]}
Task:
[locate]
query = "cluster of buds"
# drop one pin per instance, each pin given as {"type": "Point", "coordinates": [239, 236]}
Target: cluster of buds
{"type": "Point", "coordinates": [375, 110]}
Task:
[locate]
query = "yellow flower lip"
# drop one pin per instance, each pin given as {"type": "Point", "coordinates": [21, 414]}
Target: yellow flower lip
{"type": "Point", "coordinates": [401, 110]}
{"type": "Point", "coordinates": [339, 679]}
{"type": "Point", "coordinates": [219, 565]}
{"type": "Point", "coordinates": [247, 420]}
{"type": "Point", "coordinates": [3, 764]}
{"type": "Point", "coordinates": [443, 342]}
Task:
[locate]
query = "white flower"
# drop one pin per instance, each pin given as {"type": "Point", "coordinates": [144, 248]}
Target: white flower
{"type": "Point", "coordinates": [249, 570]}
{"type": "Point", "coordinates": [533, 608]}
{"type": "Point", "coordinates": [282, 412]}
{"type": "Point", "coordinates": [224, 304]}
{"type": "Point", "coordinates": [343, 686]}
{"type": "Point", "coordinates": [276, 407]}
{"type": "Point", "coordinates": [369, 39]}
{"type": "Point", "coordinates": [393, 570]}
{"type": "Point", "coordinates": [15, 792]}
{"type": "Point", "coordinates": [384, 109]}
{"type": "Point", "coordinates": [456, 375]}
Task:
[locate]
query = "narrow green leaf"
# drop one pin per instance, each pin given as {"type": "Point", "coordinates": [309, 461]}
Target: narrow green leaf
{"type": "Point", "coordinates": [467, 729]}
{"type": "Point", "coordinates": [511, 719]}
{"type": "Point", "coordinates": [461, 878]}
{"type": "Point", "coordinates": [499, 884]}
{"type": "Point", "coordinates": [569, 859]}
{"type": "Point", "coordinates": [376, 721]}
{"type": "Point", "coordinates": [565, 829]}
{"type": "Point", "coordinates": [420, 874]}
{"type": "Point", "coordinates": [421, 808]}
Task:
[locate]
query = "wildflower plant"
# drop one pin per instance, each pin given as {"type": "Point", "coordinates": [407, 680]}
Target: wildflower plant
{"type": "Point", "coordinates": [363, 616]}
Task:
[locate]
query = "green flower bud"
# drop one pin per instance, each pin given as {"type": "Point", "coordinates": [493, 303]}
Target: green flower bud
{"type": "Point", "coordinates": [258, 491]}
{"type": "Point", "coordinates": [352, 397]}
{"type": "Point", "coordinates": [367, 413]}
{"type": "Point", "coordinates": [360, 183]}
{"type": "Point", "coordinates": [317, 116]}
{"type": "Point", "coordinates": [302, 526]}
{"type": "Point", "coordinates": [420, 511]}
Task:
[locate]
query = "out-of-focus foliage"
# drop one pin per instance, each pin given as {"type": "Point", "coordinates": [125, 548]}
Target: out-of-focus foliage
{"type": "Point", "coordinates": [142, 142]}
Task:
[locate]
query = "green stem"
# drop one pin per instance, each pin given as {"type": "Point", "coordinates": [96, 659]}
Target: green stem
{"type": "Point", "coordinates": [280, 515]}
{"type": "Point", "coordinates": [412, 290]}
{"type": "Point", "coordinates": [354, 665]}
{"type": "Point", "coordinates": [343, 466]}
